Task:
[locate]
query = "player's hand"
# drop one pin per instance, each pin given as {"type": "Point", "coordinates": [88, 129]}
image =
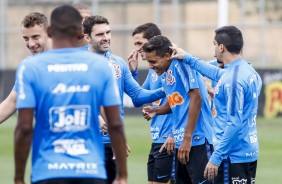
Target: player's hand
{"type": "Point", "coordinates": [119, 180]}
{"type": "Point", "coordinates": [211, 171]}
{"type": "Point", "coordinates": [103, 124]}
{"type": "Point", "coordinates": [177, 52]}
{"type": "Point", "coordinates": [17, 181]}
{"type": "Point", "coordinates": [184, 150]}
{"type": "Point", "coordinates": [168, 145]}
{"type": "Point", "coordinates": [133, 60]}
{"type": "Point", "coordinates": [148, 112]}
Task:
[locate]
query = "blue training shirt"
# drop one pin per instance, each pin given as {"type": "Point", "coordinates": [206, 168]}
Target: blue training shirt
{"type": "Point", "coordinates": [236, 105]}
{"type": "Point", "coordinates": [178, 80]}
{"type": "Point", "coordinates": [161, 125]}
{"type": "Point", "coordinates": [66, 88]}
{"type": "Point", "coordinates": [126, 83]}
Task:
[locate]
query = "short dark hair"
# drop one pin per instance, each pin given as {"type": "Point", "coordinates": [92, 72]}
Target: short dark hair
{"type": "Point", "coordinates": [149, 30]}
{"type": "Point", "coordinates": [160, 44]}
{"type": "Point", "coordinates": [89, 22]}
{"type": "Point", "coordinates": [33, 19]}
{"type": "Point", "coordinates": [65, 21]}
{"type": "Point", "coordinates": [231, 37]}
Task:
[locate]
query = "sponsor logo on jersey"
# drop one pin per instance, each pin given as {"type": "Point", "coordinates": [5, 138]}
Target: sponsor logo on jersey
{"type": "Point", "coordinates": [253, 136]}
{"type": "Point", "coordinates": [237, 180]}
{"type": "Point", "coordinates": [62, 88]}
{"type": "Point", "coordinates": [155, 131]}
{"type": "Point", "coordinates": [178, 134]}
{"type": "Point", "coordinates": [70, 146]}
{"type": "Point", "coordinates": [79, 167]}
{"type": "Point", "coordinates": [157, 102]}
{"type": "Point", "coordinates": [175, 99]}
{"type": "Point", "coordinates": [251, 154]}
{"type": "Point", "coordinates": [78, 67]}
{"type": "Point", "coordinates": [170, 79]}
{"type": "Point", "coordinates": [117, 70]}
{"type": "Point", "coordinates": [69, 118]}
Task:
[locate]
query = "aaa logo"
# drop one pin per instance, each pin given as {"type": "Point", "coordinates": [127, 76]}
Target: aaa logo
{"type": "Point", "coordinates": [175, 99]}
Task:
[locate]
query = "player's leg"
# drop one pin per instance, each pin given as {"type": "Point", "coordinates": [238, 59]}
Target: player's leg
{"type": "Point", "coordinates": [242, 172]}
{"type": "Point", "coordinates": [181, 174]}
{"type": "Point", "coordinates": [151, 165]}
{"type": "Point", "coordinates": [163, 165]}
{"type": "Point", "coordinates": [110, 164]}
{"type": "Point", "coordinates": [198, 159]}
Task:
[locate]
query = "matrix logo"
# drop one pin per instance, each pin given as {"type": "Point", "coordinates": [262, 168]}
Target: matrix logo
{"type": "Point", "coordinates": [69, 118]}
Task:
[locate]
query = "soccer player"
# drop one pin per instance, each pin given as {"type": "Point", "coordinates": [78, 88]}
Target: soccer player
{"type": "Point", "coordinates": [236, 150]}
{"type": "Point", "coordinates": [188, 101]}
{"type": "Point", "coordinates": [160, 167]}
{"type": "Point", "coordinates": [85, 12]}
{"type": "Point", "coordinates": [33, 30]}
{"type": "Point", "coordinates": [98, 34]}
{"type": "Point", "coordinates": [64, 89]}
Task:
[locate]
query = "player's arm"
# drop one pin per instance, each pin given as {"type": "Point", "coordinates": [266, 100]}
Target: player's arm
{"type": "Point", "coordinates": [150, 112]}
{"type": "Point", "coordinates": [22, 142]}
{"type": "Point", "coordinates": [116, 132]}
{"type": "Point", "coordinates": [193, 115]}
{"type": "Point", "coordinates": [139, 95]}
{"type": "Point", "coordinates": [204, 68]}
{"type": "Point", "coordinates": [8, 106]}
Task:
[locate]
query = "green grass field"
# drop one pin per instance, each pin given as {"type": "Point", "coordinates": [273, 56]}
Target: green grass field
{"type": "Point", "coordinates": [137, 131]}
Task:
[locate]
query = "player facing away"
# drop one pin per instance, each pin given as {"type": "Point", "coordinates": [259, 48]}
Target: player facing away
{"type": "Point", "coordinates": [64, 90]}
{"type": "Point", "coordinates": [236, 149]}
{"type": "Point", "coordinates": [188, 101]}
{"type": "Point", "coordinates": [33, 30]}
{"type": "Point", "coordinates": [160, 165]}
{"type": "Point", "coordinates": [97, 32]}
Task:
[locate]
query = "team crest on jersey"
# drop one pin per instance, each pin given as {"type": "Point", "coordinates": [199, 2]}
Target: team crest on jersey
{"type": "Point", "coordinates": [154, 77]}
{"type": "Point", "coordinates": [117, 70]}
{"type": "Point", "coordinates": [170, 79]}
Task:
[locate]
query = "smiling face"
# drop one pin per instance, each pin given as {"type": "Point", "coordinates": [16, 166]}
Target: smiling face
{"type": "Point", "coordinates": [35, 38]}
{"type": "Point", "coordinates": [100, 39]}
{"type": "Point", "coordinates": [157, 63]}
{"type": "Point", "coordinates": [139, 41]}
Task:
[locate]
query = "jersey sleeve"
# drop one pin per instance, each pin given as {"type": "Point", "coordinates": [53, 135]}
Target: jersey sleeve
{"type": "Point", "coordinates": [135, 74]}
{"type": "Point", "coordinates": [24, 86]}
{"type": "Point", "coordinates": [139, 95]}
{"type": "Point", "coordinates": [146, 83]}
{"type": "Point", "coordinates": [204, 68]}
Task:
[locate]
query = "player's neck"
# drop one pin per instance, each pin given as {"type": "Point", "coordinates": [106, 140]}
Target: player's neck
{"type": "Point", "coordinates": [64, 43]}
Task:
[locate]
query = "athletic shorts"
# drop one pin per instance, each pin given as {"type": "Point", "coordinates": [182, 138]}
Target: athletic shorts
{"type": "Point", "coordinates": [236, 172]}
{"type": "Point", "coordinates": [160, 165]}
{"type": "Point", "coordinates": [110, 164]}
{"type": "Point", "coordinates": [72, 181]}
{"type": "Point", "coordinates": [193, 171]}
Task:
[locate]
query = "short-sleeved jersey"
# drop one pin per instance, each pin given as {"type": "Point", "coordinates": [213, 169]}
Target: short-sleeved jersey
{"type": "Point", "coordinates": [161, 125]}
{"type": "Point", "coordinates": [179, 79]}
{"type": "Point", "coordinates": [236, 105]}
{"type": "Point", "coordinates": [66, 87]}
{"type": "Point", "coordinates": [126, 83]}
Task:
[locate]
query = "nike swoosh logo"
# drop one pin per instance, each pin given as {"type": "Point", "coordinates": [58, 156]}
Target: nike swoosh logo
{"type": "Point", "coordinates": [202, 182]}
{"type": "Point", "coordinates": [159, 177]}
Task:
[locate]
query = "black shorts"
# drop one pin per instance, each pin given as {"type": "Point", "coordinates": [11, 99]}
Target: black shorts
{"type": "Point", "coordinates": [160, 165]}
{"type": "Point", "coordinates": [110, 164]}
{"type": "Point", "coordinates": [72, 181]}
{"type": "Point", "coordinates": [236, 173]}
{"type": "Point", "coordinates": [193, 171]}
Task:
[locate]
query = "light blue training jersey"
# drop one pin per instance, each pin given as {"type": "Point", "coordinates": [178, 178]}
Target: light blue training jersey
{"type": "Point", "coordinates": [236, 105]}
{"type": "Point", "coordinates": [126, 83]}
{"type": "Point", "coordinates": [178, 80]}
{"type": "Point", "coordinates": [66, 88]}
{"type": "Point", "coordinates": [161, 125]}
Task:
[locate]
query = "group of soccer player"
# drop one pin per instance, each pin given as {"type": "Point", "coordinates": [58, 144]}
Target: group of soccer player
{"type": "Point", "coordinates": [73, 85]}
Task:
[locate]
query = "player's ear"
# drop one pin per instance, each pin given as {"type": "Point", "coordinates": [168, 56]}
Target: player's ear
{"type": "Point", "coordinates": [49, 32]}
{"type": "Point", "coordinates": [167, 56]}
{"type": "Point", "coordinates": [79, 33]}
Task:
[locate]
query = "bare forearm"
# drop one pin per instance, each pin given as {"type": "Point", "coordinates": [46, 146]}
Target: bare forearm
{"type": "Point", "coordinates": [8, 107]}
{"type": "Point", "coordinates": [164, 109]}
{"type": "Point", "coordinates": [22, 143]}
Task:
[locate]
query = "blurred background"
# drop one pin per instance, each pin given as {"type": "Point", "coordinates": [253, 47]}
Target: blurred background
{"type": "Point", "coordinates": [188, 23]}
